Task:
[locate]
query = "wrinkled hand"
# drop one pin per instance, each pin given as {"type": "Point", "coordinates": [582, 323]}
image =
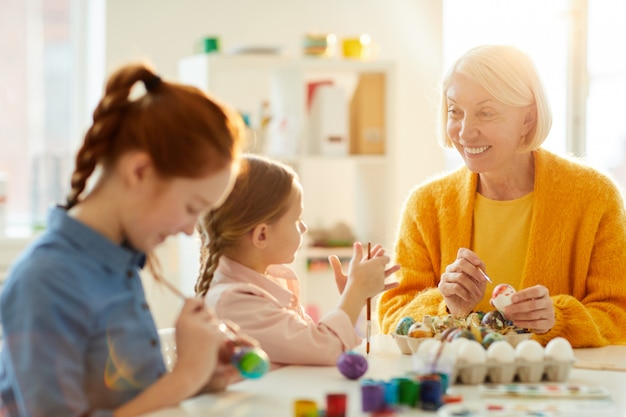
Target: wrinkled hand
{"type": "Point", "coordinates": [377, 250]}
{"type": "Point", "coordinates": [532, 308]}
{"type": "Point", "coordinates": [462, 285]}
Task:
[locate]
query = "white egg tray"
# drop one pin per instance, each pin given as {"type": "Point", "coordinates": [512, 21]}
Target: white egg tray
{"type": "Point", "coordinates": [504, 373]}
{"type": "Point", "coordinates": [408, 345]}
{"type": "Point", "coordinates": [491, 370]}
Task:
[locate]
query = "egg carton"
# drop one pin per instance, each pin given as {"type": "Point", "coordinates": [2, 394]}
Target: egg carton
{"type": "Point", "coordinates": [408, 345]}
{"type": "Point", "coordinates": [504, 373]}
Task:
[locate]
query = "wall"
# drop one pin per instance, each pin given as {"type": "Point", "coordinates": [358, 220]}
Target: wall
{"type": "Point", "coordinates": [406, 31]}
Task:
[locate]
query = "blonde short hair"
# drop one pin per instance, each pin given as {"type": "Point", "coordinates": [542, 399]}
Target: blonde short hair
{"type": "Point", "coordinates": [510, 76]}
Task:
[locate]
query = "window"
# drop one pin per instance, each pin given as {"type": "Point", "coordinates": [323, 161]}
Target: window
{"type": "Point", "coordinates": [42, 100]}
{"type": "Point", "coordinates": [606, 131]}
{"type": "Point", "coordinates": [538, 27]}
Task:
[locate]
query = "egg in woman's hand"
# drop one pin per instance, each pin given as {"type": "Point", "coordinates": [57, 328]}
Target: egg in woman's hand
{"type": "Point", "coordinates": [529, 350]}
{"type": "Point", "coordinates": [559, 349]}
{"type": "Point", "coordinates": [501, 296]}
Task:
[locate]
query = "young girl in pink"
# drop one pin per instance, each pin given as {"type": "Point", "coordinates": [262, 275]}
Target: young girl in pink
{"type": "Point", "coordinates": [246, 240]}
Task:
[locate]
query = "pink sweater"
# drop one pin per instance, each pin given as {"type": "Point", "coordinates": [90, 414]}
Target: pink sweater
{"type": "Point", "coordinates": [577, 249]}
{"type": "Point", "coordinates": [273, 315]}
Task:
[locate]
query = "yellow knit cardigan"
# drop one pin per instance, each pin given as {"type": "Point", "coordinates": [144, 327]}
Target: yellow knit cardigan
{"type": "Point", "coordinates": [577, 249]}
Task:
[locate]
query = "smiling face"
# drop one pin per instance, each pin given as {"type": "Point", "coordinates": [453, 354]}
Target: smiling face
{"type": "Point", "coordinates": [486, 133]}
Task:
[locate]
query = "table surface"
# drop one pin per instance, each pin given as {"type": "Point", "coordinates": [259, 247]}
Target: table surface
{"type": "Point", "coordinates": [274, 394]}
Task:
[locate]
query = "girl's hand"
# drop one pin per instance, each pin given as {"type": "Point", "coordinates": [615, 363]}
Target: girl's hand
{"type": "Point", "coordinates": [225, 373]}
{"type": "Point", "coordinates": [368, 275]}
{"type": "Point", "coordinates": [340, 277]}
{"type": "Point", "coordinates": [462, 285]}
{"type": "Point", "coordinates": [198, 341]}
{"type": "Point", "coordinates": [532, 308]}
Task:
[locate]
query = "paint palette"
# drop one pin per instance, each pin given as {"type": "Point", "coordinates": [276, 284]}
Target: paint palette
{"type": "Point", "coordinates": [570, 391]}
{"type": "Point", "coordinates": [527, 409]}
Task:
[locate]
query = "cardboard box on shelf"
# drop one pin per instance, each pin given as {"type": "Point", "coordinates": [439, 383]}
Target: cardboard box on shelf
{"type": "Point", "coordinates": [328, 121]}
{"type": "Point", "coordinates": [367, 115]}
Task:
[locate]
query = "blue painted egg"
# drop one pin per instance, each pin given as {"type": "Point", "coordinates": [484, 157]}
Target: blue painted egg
{"type": "Point", "coordinates": [404, 325]}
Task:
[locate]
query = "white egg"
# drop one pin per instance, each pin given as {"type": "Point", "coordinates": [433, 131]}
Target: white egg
{"type": "Point", "coordinates": [501, 351]}
{"type": "Point", "coordinates": [426, 346]}
{"type": "Point", "coordinates": [559, 349]}
{"type": "Point", "coordinates": [447, 351]}
{"type": "Point", "coordinates": [529, 350]}
{"type": "Point", "coordinates": [456, 344]}
{"type": "Point", "coordinates": [471, 352]}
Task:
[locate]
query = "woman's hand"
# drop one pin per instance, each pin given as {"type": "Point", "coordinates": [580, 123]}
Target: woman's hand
{"type": "Point", "coordinates": [532, 309]}
{"type": "Point", "coordinates": [462, 285]}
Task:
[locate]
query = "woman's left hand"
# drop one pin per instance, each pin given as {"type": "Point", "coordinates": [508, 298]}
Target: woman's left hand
{"type": "Point", "coordinates": [532, 309]}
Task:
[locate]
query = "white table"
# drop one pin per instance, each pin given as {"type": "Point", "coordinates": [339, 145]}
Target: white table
{"type": "Point", "coordinates": [274, 394]}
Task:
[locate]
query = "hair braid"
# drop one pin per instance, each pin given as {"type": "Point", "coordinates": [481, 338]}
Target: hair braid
{"type": "Point", "coordinates": [107, 118]}
{"type": "Point", "coordinates": [210, 253]}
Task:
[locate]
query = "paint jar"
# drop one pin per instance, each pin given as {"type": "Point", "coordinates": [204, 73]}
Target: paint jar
{"type": "Point", "coordinates": [336, 405]}
{"type": "Point", "coordinates": [321, 45]}
{"type": "Point", "coordinates": [208, 45]}
{"type": "Point", "coordinates": [358, 47]}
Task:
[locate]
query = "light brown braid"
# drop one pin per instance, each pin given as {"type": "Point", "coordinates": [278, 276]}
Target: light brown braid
{"type": "Point", "coordinates": [210, 253]}
{"type": "Point", "coordinates": [260, 195]}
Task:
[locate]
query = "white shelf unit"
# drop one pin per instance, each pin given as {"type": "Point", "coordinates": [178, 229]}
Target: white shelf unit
{"type": "Point", "coordinates": [351, 189]}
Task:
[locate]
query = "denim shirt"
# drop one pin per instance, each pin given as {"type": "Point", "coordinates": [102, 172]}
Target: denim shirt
{"type": "Point", "coordinates": [79, 337]}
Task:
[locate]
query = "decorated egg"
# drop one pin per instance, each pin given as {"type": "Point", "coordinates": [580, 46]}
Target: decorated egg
{"type": "Point", "coordinates": [419, 329]}
{"type": "Point", "coordinates": [490, 338]}
{"type": "Point", "coordinates": [463, 333]}
{"type": "Point", "coordinates": [352, 365]}
{"type": "Point", "coordinates": [251, 362]}
{"type": "Point", "coordinates": [501, 296]}
{"type": "Point", "coordinates": [559, 349]}
{"type": "Point", "coordinates": [494, 320]}
{"type": "Point", "coordinates": [404, 324]}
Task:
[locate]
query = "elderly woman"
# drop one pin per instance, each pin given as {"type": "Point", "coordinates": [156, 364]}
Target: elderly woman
{"type": "Point", "coordinates": [549, 226]}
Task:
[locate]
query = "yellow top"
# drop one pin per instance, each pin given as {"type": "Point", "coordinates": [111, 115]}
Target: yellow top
{"type": "Point", "coordinates": [500, 239]}
{"type": "Point", "coordinates": [576, 249]}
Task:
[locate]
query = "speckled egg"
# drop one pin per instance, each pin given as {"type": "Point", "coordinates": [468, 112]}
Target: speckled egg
{"type": "Point", "coordinates": [490, 338]}
{"type": "Point", "coordinates": [404, 325]}
{"type": "Point", "coordinates": [494, 320]}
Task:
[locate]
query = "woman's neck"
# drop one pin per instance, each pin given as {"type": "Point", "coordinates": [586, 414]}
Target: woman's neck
{"type": "Point", "coordinates": [514, 181]}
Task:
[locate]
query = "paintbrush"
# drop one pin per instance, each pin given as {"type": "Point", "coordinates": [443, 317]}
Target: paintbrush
{"type": "Point", "coordinates": [224, 328]}
{"type": "Point", "coordinates": [484, 275]}
{"type": "Point", "coordinates": [368, 309]}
